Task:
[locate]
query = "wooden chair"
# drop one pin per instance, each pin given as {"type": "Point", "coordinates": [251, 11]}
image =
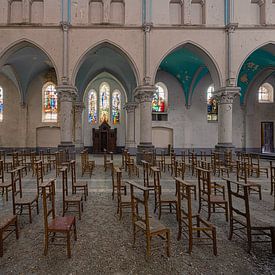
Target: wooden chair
{"type": "Point", "coordinates": [132, 168]}
{"type": "Point", "coordinates": [162, 200]}
{"type": "Point", "coordinates": [123, 201]}
{"type": "Point", "coordinates": [255, 166]}
{"type": "Point", "coordinates": [146, 180]}
{"type": "Point", "coordinates": [76, 185]}
{"type": "Point", "coordinates": [70, 201]}
{"type": "Point", "coordinates": [7, 164]}
{"type": "Point", "coordinates": [39, 176]}
{"type": "Point", "coordinates": [8, 225]}
{"type": "Point", "coordinates": [188, 222]}
{"type": "Point", "coordinates": [240, 219]}
{"type": "Point", "coordinates": [272, 181]}
{"type": "Point", "coordinates": [50, 158]}
{"type": "Point", "coordinates": [20, 202]}
{"type": "Point", "coordinates": [242, 175]}
{"type": "Point", "coordinates": [6, 186]}
{"type": "Point", "coordinates": [170, 163]}
{"type": "Point", "coordinates": [107, 162]}
{"type": "Point", "coordinates": [46, 164]}
{"type": "Point", "coordinates": [211, 194]}
{"type": "Point", "coordinates": [63, 225]}
{"type": "Point", "coordinates": [143, 222]}
{"type": "Point", "coordinates": [114, 184]}
{"type": "Point", "coordinates": [17, 162]}
{"type": "Point", "coordinates": [87, 165]}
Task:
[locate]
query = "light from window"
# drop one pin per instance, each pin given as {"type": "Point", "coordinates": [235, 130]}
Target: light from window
{"type": "Point", "coordinates": [116, 106]}
{"type": "Point", "coordinates": [212, 105]}
{"type": "Point", "coordinates": [49, 103]}
{"type": "Point", "coordinates": [92, 103]}
{"type": "Point", "coordinates": [104, 102]}
{"type": "Point", "coordinates": [1, 104]}
{"type": "Point", "coordinates": [265, 93]}
{"type": "Point", "coordinates": [159, 101]}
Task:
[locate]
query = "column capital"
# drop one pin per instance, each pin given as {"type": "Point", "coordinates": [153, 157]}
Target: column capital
{"type": "Point", "coordinates": [66, 93]}
{"type": "Point", "coordinates": [226, 95]}
{"type": "Point", "coordinates": [231, 27]}
{"type": "Point", "coordinates": [130, 106]}
{"type": "Point", "coordinates": [65, 25]}
{"type": "Point", "coordinates": [79, 106]}
{"type": "Point", "coordinates": [145, 93]}
{"type": "Point", "coordinates": [146, 27]}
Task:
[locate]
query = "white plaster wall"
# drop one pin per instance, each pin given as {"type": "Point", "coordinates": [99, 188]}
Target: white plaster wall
{"type": "Point", "coordinates": [3, 11]}
{"type": "Point", "coordinates": [87, 128]}
{"type": "Point", "coordinates": [238, 135]}
{"type": "Point", "coordinates": [270, 11]}
{"type": "Point", "coordinates": [34, 103]}
{"type": "Point", "coordinates": [255, 114]}
{"type": "Point", "coordinates": [16, 14]}
{"type": "Point", "coordinates": [214, 12]}
{"type": "Point", "coordinates": [37, 12]}
{"type": "Point", "coordinates": [250, 10]}
{"type": "Point", "coordinates": [10, 128]}
{"type": "Point", "coordinates": [52, 12]}
{"type": "Point", "coordinates": [175, 10]}
{"type": "Point", "coordinates": [196, 14]}
{"type": "Point", "coordinates": [160, 12]}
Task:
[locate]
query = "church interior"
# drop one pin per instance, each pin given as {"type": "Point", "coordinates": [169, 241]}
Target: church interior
{"type": "Point", "coordinates": [138, 135]}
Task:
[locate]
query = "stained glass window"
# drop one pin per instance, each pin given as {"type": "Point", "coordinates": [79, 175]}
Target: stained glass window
{"type": "Point", "coordinates": [265, 94]}
{"type": "Point", "coordinates": [212, 105]}
{"type": "Point", "coordinates": [92, 116]}
{"type": "Point", "coordinates": [116, 106]}
{"type": "Point", "coordinates": [49, 102]}
{"type": "Point", "coordinates": [159, 101]}
{"type": "Point", "coordinates": [1, 104]}
{"type": "Point", "coordinates": [104, 104]}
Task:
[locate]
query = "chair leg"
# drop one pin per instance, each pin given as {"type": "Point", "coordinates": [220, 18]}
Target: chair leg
{"type": "Point", "coordinates": [30, 213]}
{"type": "Point", "coordinates": [168, 243]}
{"type": "Point", "coordinates": [1, 244]}
{"type": "Point", "coordinates": [16, 228]}
{"type": "Point", "coordinates": [46, 244]}
{"type": "Point", "coordinates": [214, 241]}
{"type": "Point", "coordinates": [69, 244]}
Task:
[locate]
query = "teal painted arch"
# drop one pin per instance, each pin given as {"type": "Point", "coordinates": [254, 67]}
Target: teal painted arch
{"type": "Point", "coordinates": [261, 59]}
{"type": "Point", "coordinates": [189, 64]}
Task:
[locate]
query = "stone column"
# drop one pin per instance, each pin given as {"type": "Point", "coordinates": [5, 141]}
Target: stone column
{"type": "Point", "coordinates": [130, 128]}
{"type": "Point", "coordinates": [144, 95]}
{"type": "Point", "coordinates": [225, 97]}
{"type": "Point", "coordinates": [65, 76]}
{"type": "Point", "coordinates": [66, 97]}
{"type": "Point", "coordinates": [78, 110]}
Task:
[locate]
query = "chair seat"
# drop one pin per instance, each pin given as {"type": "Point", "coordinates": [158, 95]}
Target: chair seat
{"type": "Point", "coordinates": [26, 200]}
{"type": "Point", "coordinates": [80, 184]}
{"type": "Point", "coordinates": [155, 225]}
{"type": "Point", "coordinates": [61, 223]}
{"type": "Point", "coordinates": [213, 198]}
{"type": "Point", "coordinates": [7, 220]}
{"type": "Point", "coordinates": [252, 183]}
{"type": "Point", "coordinates": [126, 199]}
{"type": "Point", "coordinates": [5, 184]}
{"type": "Point", "coordinates": [73, 198]}
{"type": "Point", "coordinates": [168, 198]}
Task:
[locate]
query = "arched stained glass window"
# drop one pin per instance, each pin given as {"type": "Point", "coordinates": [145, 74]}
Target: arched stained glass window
{"type": "Point", "coordinates": [104, 104]}
{"type": "Point", "coordinates": [1, 103]}
{"type": "Point", "coordinates": [212, 106]}
{"type": "Point", "coordinates": [265, 94]}
{"type": "Point", "coordinates": [49, 96]}
{"type": "Point", "coordinates": [116, 106]}
{"type": "Point", "coordinates": [92, 116]}
{"type": "Point", "coordinates": [159, 103]}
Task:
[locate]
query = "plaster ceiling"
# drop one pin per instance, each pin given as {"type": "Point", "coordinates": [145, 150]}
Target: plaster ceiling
{"type": "Point", "coordinates": [106, 58]}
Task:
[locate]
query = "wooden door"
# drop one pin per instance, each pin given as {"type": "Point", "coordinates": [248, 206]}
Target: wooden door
{"type": "Point", "coordinates": [267, 143]}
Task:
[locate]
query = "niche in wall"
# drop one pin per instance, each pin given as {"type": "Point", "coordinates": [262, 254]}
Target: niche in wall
{"type": "Point", "coordinates": [175, 10]}
{"type": "Point", "coordinates": [117, 12]}
{"type": "Point", "coordinates": [37, 11]}
{"type": "Point", "coordinates": [16, 11]}
{"type": "Point", "coordinates": [162, 136]}
{"type": "Point", "coordinates": [95, 11]}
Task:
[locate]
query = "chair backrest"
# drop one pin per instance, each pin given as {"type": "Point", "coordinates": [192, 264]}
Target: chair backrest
{"type": "Point", "coordinates": [242, 171]}
{"type": "Point", "coordinates": [204, 182]}
{"type": "Point", "coordinates": [184, 200]}
{"type": "Point", "coordinates": [238, 199]}
{"type": "Point", "coordinates": [145, 166]}
{"type": "Point", "coordinates": [117, 175]}
{"type": "Point", "coordinates": [73, 171]}
{"type": "Point", "coordinates": [3, 156]}
{"type": "Point", "coordinates": [157, 185]}
{"type": "Point", "coordinates": [39, 173]}
{"type": "Point", "coordinates": [2, 170]}
{"type": "Point", "coordinates": [140, 199]}
{"type": "Point", "coordinates": [64, 171]}
{"type": "Point", "coordinates": [16, 180]}
{"type": "Point", "coordinates": [48, 194]}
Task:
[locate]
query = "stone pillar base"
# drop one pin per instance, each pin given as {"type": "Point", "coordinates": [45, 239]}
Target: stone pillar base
{"type": "Point", "coordinates": [70, 147]}
{"type": "Point", "coordinates": [225, 147]}
{"type": "Point", "coordinates": [144, 147]}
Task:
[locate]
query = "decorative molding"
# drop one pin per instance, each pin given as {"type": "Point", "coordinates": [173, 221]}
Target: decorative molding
{"type": "Point", "coordinates": [146, 27]}
{"type": "Point", "coordinates": [66, 93]}
{"type": "Point", "coordinates": [130, 106]}
{"type": "Point", "coordinates": [65, 26]}
{"type": "Point", "coordinates": [144, 93]}
{"type": "Point", "coordinates": [226, 95]}
{"type": "Point", "coordinates": [231, 27]}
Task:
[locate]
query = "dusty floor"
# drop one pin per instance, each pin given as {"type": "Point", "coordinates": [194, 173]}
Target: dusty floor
{"type": "Point", "coordinates": [104, 244]}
